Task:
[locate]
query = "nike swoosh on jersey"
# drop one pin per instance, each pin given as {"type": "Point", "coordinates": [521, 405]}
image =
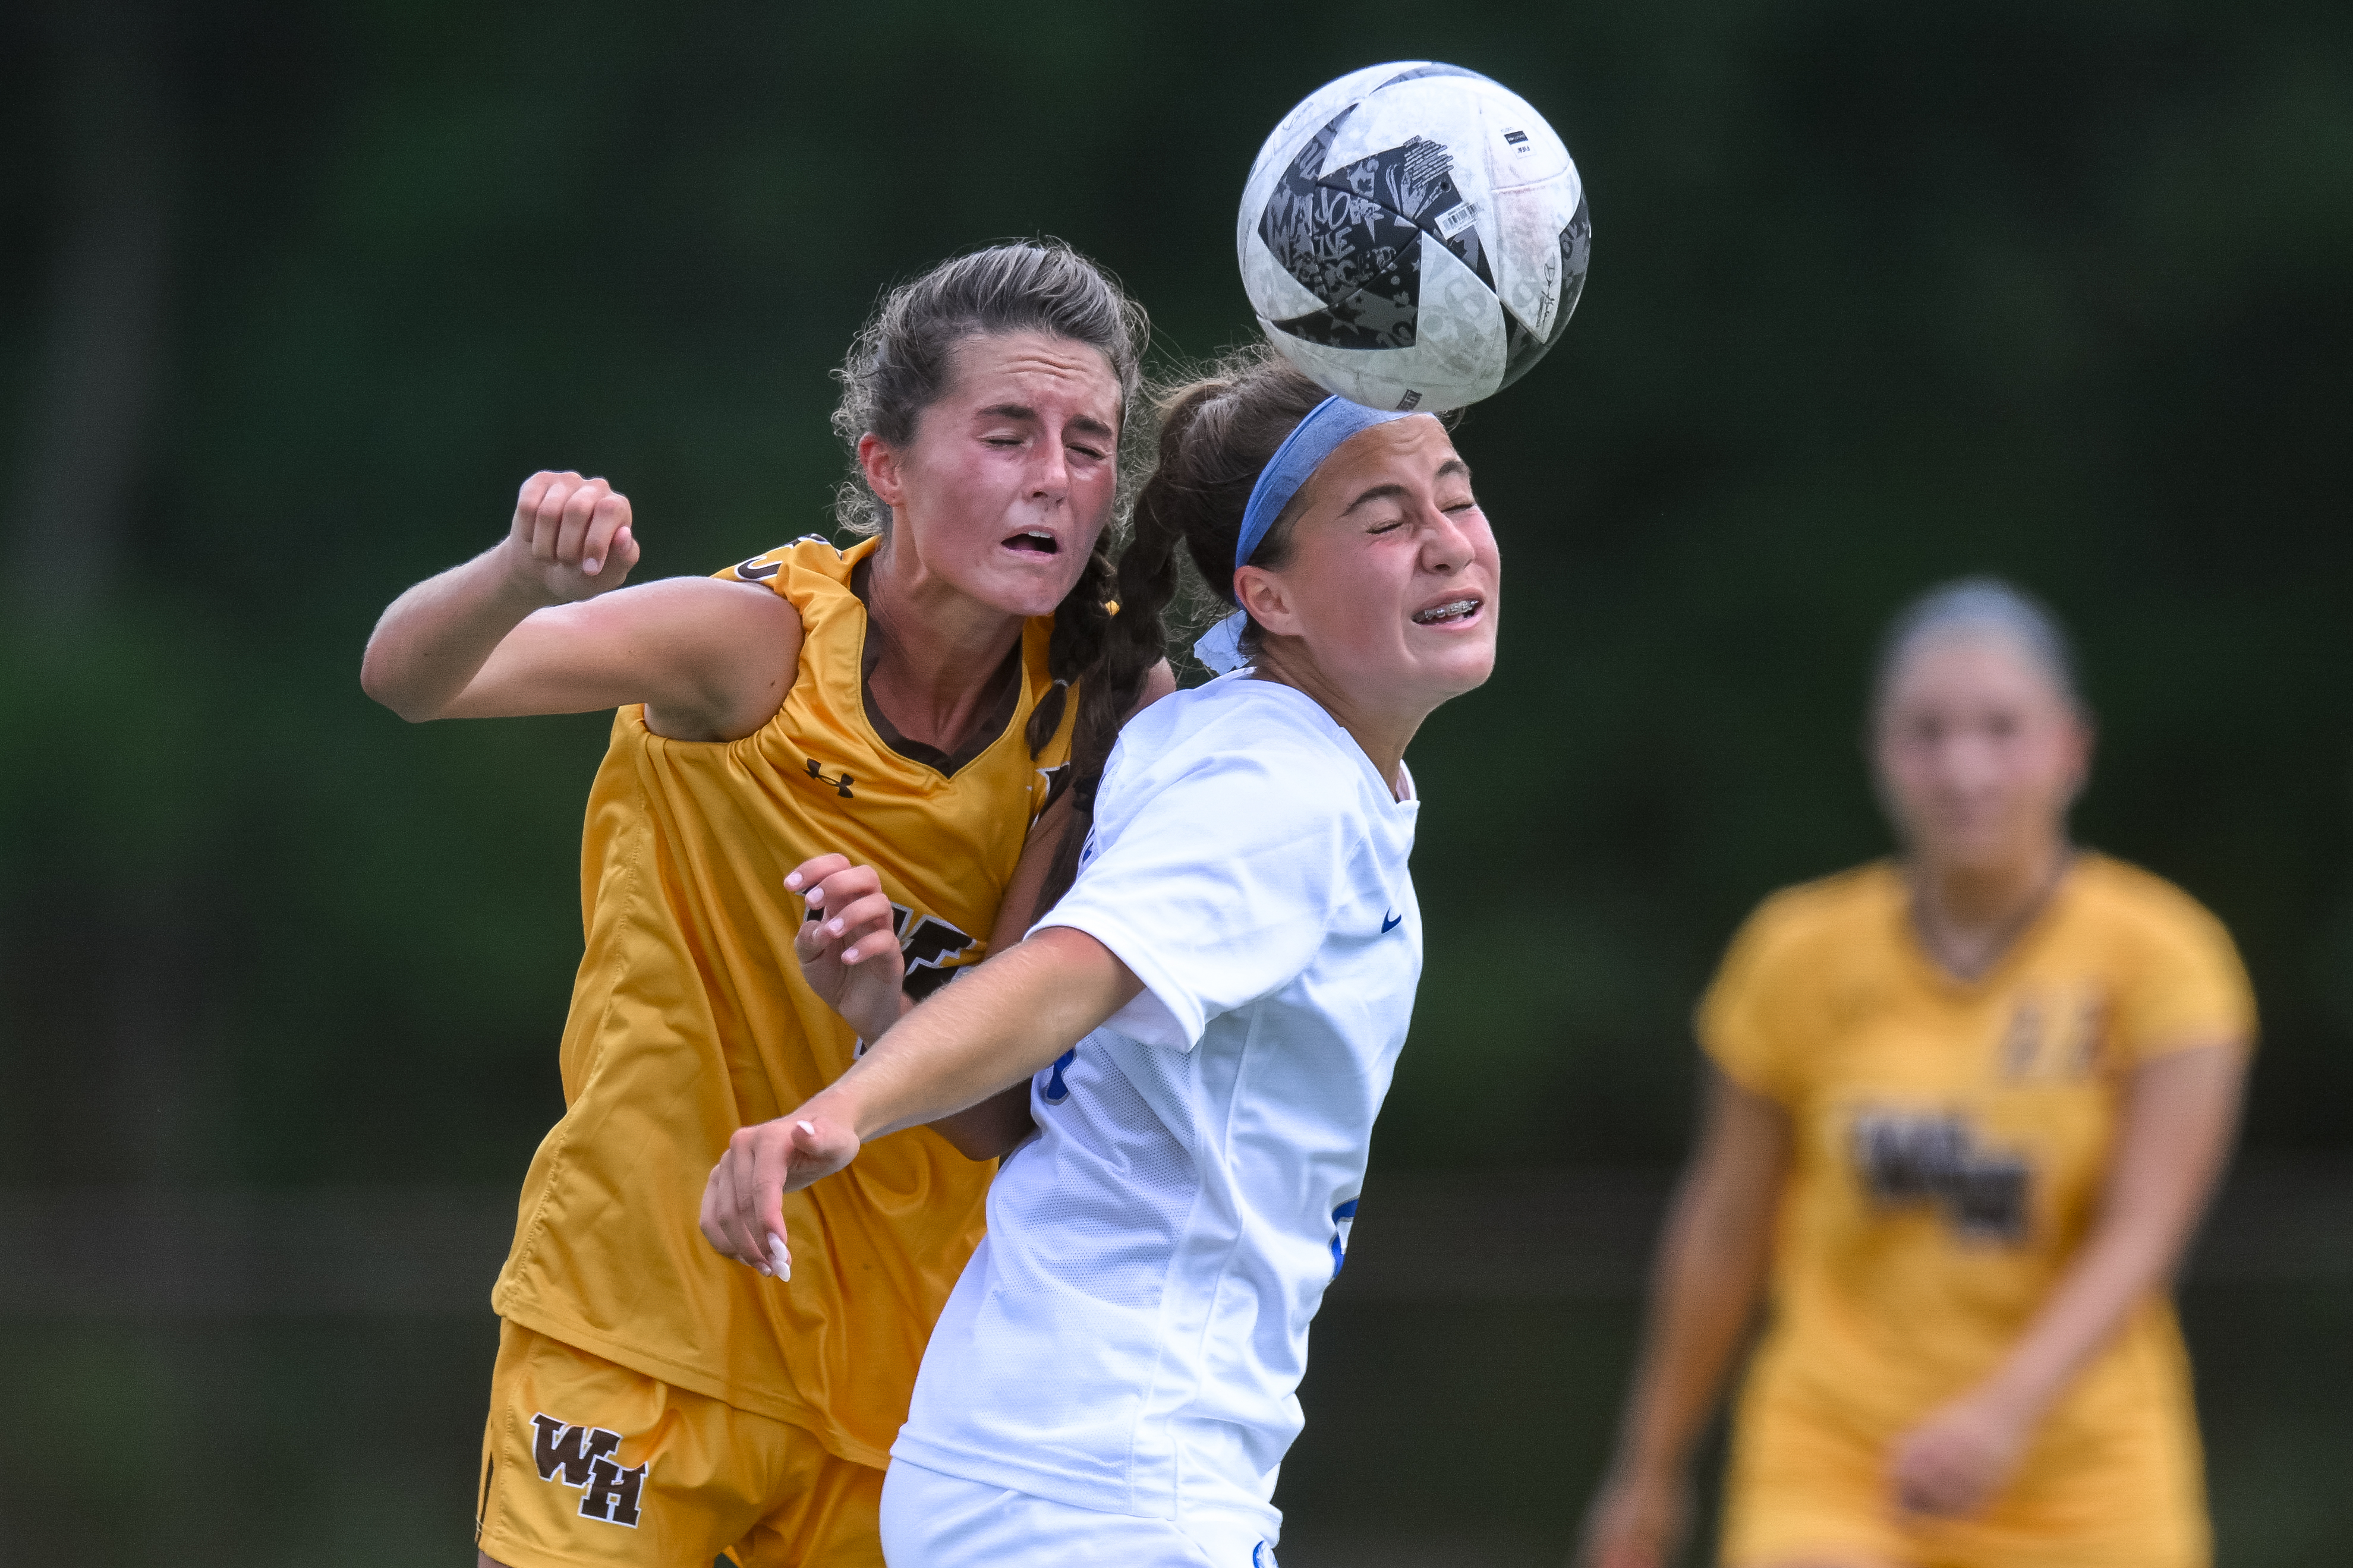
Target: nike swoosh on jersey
{"type": "Point", "coordinates": [1391, 923]}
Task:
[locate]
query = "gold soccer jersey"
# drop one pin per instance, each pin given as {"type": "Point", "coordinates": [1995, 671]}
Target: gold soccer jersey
{"type": "Point", "coordinates": [690, 1019]}
{"type": "Point", "coordinates": [1949, 1143]}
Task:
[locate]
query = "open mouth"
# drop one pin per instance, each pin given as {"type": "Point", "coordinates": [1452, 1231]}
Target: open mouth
{"type": "Point", "coordinates": [1453, 612]}
{"type": "Point", "coordinates": [1034, 542]}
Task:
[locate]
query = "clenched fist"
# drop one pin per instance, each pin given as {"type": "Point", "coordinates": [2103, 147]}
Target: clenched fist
{"type": "Point", "coordinates": [571, 537]}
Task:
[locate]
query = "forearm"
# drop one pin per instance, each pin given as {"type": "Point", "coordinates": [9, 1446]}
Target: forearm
{"type": "Point", "coordinates": [981, 1131]}
{"type": "Point", "coordinates": [2115, 1270]}
{"type": "Point", "coordinates": [434, 639]}
{"type": "Point", "coordinates": [1703, 1294]}
{"type": "Point", "coordinates": [1012, 1017]}
{"type": "Point", "coordinates": [2175, 1136]}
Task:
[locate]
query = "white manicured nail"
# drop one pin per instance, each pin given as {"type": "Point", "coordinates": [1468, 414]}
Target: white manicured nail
{"type": "Point", "coordinates": [780, 1258]}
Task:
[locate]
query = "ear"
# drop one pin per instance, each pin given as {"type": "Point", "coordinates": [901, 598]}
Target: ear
{"type": "Point", "coordinates": [880, 463]}
{"type": "Point", "coordinates": [2087, 745]}
{"type": "Point", "coordinates": [1269, 601]}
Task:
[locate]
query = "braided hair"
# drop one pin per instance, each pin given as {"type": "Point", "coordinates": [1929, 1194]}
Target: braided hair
{"type": "Point", "coordinates": [1216, 432]}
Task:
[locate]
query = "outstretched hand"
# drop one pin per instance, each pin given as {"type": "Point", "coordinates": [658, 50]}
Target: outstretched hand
{"type": "Point", "coordinates": [743, 1203]}
{"type": "Point", "coordinates": [571, 537]}
{"type": "Point", "coordinates": [849, 946]}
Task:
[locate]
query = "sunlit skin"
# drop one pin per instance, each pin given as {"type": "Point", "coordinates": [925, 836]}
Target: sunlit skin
{"type": "Point", "coordinates": [1388, 535]}
{"type": "Point", "coordinates": [994, 505]}
{"type": "Point", "coordinates": [1978, 755]}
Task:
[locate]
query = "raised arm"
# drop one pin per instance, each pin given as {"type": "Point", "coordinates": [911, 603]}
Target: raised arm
{"type": "Point", "coordinates": [541, 624]}
{"type": "Point", "coordinates": [1008, 1018]}
{"type": "Point", "coordinates": [2179, 1112]}
{"type": "Point", "coordinates": [1704, 1291]}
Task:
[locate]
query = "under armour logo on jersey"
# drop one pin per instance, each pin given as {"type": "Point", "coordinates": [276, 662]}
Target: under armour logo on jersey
{"type": "Point", "coordinates": [841, 783]}
{"type": "Point", "coordinates": [1056, 1090]}
{"type": "Point", "coordinates": [583, 1456]}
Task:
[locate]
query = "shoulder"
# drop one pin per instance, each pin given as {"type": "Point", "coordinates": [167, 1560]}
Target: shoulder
{"type": "Point", "coordinates": [810, 554]}
{"type": "Point", "coordinates": [1231, 766]}
{"type": "Point", "coordinates": [2143, 909]}
{"type": "Point", "coordinates": [1823, 914]}
{"type": "Point", "coordinates": [810, 575]}
{"type": "Point", "coordinates": [1251, 729]}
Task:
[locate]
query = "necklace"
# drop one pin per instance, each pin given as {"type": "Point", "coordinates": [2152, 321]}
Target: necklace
{"type": "Point", "coordinates": [1937, 936]}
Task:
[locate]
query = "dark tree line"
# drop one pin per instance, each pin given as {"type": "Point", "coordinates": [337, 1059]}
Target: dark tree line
{"type": "Point", "coordinates": [299, 294]}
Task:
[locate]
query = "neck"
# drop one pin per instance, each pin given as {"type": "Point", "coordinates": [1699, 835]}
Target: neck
{"type": "Point", "coordinates": [940, 646]}
{"type": "Point", "coordinates": [1381, 735]}
{"type": "Point", "coordinates": [1969, 915]}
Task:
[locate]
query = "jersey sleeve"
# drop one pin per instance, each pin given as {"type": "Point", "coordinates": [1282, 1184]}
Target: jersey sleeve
{"type": "Point", "coordinates": [2187, 988]}
{"type": "Point", "coordinates": [1743, 1020]}
{"type": "Point", "coordinates": [1216, 888]}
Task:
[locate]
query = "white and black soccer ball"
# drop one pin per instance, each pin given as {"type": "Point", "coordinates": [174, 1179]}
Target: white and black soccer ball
{"type": "Point", "coordinates": [1414, 236]}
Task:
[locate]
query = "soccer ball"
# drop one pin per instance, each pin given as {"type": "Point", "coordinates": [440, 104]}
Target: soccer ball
{"type": "Point", "coordinates": [1413, 235]}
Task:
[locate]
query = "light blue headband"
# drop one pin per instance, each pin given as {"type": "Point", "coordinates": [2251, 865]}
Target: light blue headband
{"type": "Point", "coordinates": [1327, 425]}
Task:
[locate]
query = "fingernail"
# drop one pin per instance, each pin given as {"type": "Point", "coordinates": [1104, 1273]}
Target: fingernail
{"type": "Point", "coordinates": [816, 896]}
{"type": "Point", "coordinates": [833, 926]}
{"type": "Point", "coordinates": [809, 1128]}
{"type": "Point", "coordinates": [792, 880]}
{"type": "Point", "coordinates": [849, 955]}
{"type": "Point", "coordinates": [589, 566]}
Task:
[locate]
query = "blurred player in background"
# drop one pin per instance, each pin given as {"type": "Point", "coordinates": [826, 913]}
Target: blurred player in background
{"type": "Point", "coordinates": [1965, 1109]}
{"type": "Point", "coordinates": [1211, 1016]}
{"type": "Point", "coordinates": [910, 700]}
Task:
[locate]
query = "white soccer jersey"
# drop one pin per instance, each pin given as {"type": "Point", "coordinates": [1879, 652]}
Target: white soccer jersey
{"type": "Point", "coordinates": [1132, 1332]}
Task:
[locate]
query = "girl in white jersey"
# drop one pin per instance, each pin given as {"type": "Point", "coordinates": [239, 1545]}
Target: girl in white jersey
{"type": "Point", "coordinates": [1211, 1015]}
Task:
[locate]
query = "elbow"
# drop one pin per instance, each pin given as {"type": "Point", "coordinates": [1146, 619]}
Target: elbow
{"type": "Point", "coordinates": [378, 680]}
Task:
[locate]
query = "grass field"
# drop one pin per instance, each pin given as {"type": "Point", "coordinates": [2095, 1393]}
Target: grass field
{"type": "Point", "coordinates": [1454, 1435]}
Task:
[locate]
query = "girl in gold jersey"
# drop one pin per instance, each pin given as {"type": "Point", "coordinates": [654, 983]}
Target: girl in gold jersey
{"type": "Point", "coordinates": [1965, 1108]}
{"type": "Point", "coordinates": [912, 705]}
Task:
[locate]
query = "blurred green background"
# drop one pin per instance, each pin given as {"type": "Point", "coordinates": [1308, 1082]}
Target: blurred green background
{"type": "Point", "coordinates": [296, 294]}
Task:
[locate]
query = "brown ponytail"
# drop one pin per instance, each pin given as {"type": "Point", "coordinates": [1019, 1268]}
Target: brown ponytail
{"type": "Point", "coordinates": [1216, 433]}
